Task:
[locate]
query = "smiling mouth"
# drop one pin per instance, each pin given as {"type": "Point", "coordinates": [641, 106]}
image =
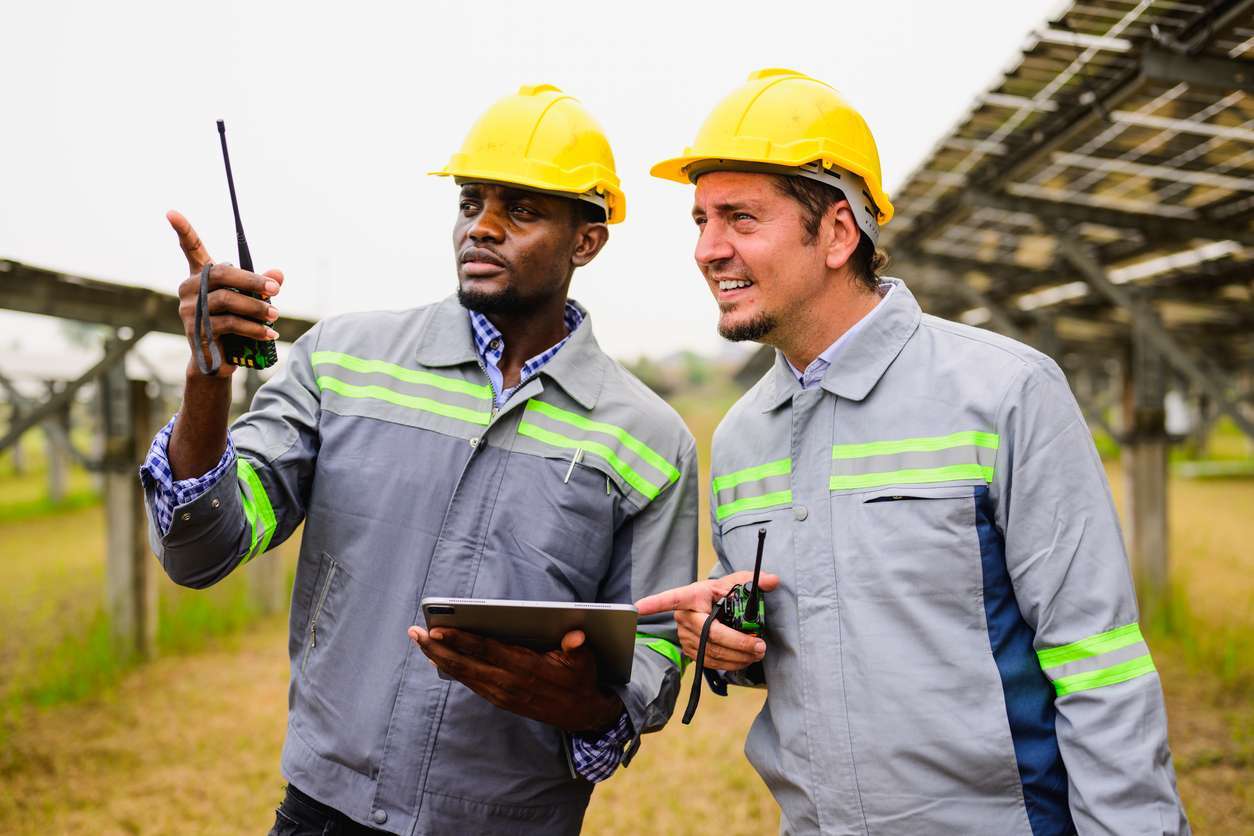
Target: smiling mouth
{"type": "Point", "coordinates": [733, 284]}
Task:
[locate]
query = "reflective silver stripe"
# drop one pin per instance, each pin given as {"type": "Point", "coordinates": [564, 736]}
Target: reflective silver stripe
{"type": "Point", "coordinates": [416, 387]}
{"type": "Point", "coordinates": [757, 487]}
{"type": "Point", "coordinates": [914, 460]}
{"type": "Point", "coordinates": [637, 471]}
{"type": "Point", "coordinates": [1096, 663]}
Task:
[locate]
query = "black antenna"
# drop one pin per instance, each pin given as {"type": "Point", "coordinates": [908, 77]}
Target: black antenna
{"type": "Point", "coordinates": [751, 610]}
{"type": "Point", "coordinates": [245, 258]}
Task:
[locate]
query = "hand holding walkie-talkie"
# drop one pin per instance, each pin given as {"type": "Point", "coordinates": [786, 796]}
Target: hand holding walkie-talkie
{"type": "Point", "coordinates": [226, 310]}
{"type": "Point", "coordinates": [719, 621]}
{"type": "Point", "coordinates": [743, 609]}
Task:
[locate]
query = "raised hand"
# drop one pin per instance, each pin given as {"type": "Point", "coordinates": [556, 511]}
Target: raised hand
{"type": "Point", "coordinates": [229, 312]}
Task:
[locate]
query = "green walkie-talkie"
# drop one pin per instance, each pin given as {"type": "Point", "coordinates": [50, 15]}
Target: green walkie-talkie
{"type": "Point", "coordinates": [243, 351]}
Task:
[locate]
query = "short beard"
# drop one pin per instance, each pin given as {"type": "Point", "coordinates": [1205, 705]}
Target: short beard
{"type": "Point", "coordinates": [752, 331]}
{"type": "Point", "coordinates": [508, 302]}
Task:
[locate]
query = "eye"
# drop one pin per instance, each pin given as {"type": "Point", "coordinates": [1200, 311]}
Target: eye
{"type": "Point", "coordinates": [468, 206]}
{"type": "Point", "coordinates": [699, 221]}
{"type": "Point", "coordinates": [522, 211]}
{"type": "Point", "coordinates": [742, 216]}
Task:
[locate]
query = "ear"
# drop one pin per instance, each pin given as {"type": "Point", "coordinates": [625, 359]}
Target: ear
{"type": "Point", "coordinates": [589, 239]}
{"type": "Point", "coordinates": [841, 235]}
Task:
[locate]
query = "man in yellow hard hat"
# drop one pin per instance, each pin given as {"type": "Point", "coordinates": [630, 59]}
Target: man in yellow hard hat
{"type": "Point", "coordinates": [484, 447]}
{"type": "Point", "coordinates": [951, 640]}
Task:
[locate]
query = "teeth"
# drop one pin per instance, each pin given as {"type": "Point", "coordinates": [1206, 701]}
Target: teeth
{"type": "Point", "coordinates": [732, 284]}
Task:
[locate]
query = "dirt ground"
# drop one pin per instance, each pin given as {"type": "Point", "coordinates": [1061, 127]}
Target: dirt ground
{"type": "Point", "coordinates": [190, 743]}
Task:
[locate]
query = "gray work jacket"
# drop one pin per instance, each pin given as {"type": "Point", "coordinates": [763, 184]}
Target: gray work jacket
{"type": "Point", "coordinates": [379, 433]}
{"type": "Point", "coordinates": [954, 645]}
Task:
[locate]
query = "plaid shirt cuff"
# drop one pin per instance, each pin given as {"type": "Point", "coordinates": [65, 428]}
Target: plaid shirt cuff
{"type": "Point", "coordinates": [168, 494]}
{"type": "Point", "coordinates": [597, 758]}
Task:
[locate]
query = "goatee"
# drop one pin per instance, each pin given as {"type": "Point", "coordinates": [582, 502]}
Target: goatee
{"type": "Point", "coordinates": [751, 330]}
{"type": "Point", "coordinates": [508, 301]}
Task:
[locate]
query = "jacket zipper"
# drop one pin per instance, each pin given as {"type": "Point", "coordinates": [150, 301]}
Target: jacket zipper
{"type": "Point", "coordinates": [491, 387]}
{"type": "Point", "coordinates": [313, 623]}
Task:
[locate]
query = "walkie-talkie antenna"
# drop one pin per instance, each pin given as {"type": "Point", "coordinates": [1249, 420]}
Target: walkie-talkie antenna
{"type": "Point", "coordinates": [245, 258]}
{"type": "Point", "coordinates": [752, 608]}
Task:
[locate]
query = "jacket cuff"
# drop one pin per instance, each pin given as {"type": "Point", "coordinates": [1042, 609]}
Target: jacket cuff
{"type": "Point", "coordinates": [165, 494]}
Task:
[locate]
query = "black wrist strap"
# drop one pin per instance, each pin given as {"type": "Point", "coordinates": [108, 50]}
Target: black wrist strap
{"type": "Point", "coordinates": [694, 696]}
{"type": "Point", "coordinates": [203, 332]}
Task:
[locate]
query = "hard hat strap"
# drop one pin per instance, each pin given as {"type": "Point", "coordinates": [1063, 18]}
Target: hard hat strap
{"type": "Point", "coordinates": [851, 186]}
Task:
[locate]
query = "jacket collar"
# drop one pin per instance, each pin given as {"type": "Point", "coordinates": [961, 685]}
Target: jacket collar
{"type": "Point", "coordinates": [860, 363]}
{"type": "Point", "coordinates": [579, 368]}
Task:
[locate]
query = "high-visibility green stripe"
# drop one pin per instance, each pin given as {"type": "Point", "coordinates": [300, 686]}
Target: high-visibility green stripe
{"type": "Point", "coordinates": [751, 503]}
{"type": "Point", "coordinates": [779, 467]}
{"type": "Point", "coordinates": [1092, 646]}
{"type": "Point", "coordinates": [359, 364]}
{"type": "Point", "coordinates": [256, 510]}
{"type": "Point", "coordinates": [597, 449]}
{"type": "Point", "coordinates": [627, 439]}
{"type": "Point", "coordinates": [381, 393]}
{"type": "Point", "coordinates": [1088, 680]}
{"type": "Point", "coordinates": [915, 445]}
{"type": "Point", "coordinates": [668, 649]}
{"type": "Point", "coordinates": [917, 476]}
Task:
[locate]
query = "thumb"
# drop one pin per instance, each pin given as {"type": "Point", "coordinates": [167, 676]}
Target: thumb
{"type": "Point", "coordinates": [573, 640]}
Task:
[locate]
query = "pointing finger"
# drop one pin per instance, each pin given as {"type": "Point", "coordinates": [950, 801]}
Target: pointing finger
{"type": "Point", "coordinates": [694, 596]}
{"type": "Point", "coordinates": [189, 241]}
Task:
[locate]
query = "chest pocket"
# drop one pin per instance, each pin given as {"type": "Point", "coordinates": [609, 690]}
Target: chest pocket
{"type": "Point", "coordinates": [740, 542]}
{"type": "Point", "coordinates": [902, 543]}
{"type": "Point", "coordinates": [552, 531]}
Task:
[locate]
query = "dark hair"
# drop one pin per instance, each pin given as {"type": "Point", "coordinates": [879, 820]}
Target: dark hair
{"type": "Point", "coordinates": [815, 199]}
{"type": "Point", "coordinates": [587, 212]}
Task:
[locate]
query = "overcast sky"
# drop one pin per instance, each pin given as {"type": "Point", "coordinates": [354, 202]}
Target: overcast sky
{"type": "Point", "coordinates": [335, 112]}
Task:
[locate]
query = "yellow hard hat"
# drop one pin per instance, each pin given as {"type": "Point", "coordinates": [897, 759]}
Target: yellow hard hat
{"type": "Point", "coordinates": [543, 139]}
{"type": "Point", "coordinates": [784, 118]}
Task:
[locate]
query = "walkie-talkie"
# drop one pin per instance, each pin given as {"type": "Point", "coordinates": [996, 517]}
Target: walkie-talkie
{"type": "Point", "coordinates": [743, 609]}
{"type": "Point", "coordinates": [243, 351]}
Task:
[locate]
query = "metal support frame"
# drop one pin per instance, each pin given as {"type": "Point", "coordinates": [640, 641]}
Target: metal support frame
{"type": "Point", "coordinates": [54, 429]}
{"type": "Point", "coordinates": [1145, 321]}
{"type": "Point", "coordinates": [1152, 226]}
{"type": "Point", "coordinates": [1145, 469]}
{"type": "Point", "coordinates": [130, 570]}
{"type": "Point", "coordinates": [114, 354]}
{"type": "Point", "coordinates": [1170, 67]}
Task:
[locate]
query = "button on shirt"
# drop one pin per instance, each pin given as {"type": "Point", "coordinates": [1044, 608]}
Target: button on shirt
{"type": "Point", "coordinates": [594, 758]}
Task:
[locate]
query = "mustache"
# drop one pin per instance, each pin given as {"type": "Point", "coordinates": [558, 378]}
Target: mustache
{"type": "Point", "coordinates": [483, 254]}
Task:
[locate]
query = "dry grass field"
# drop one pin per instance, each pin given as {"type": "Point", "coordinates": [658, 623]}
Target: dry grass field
{"type": "Point", "coordinates": [189, 743]}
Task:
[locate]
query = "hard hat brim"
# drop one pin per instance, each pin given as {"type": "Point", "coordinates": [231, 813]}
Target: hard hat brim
{"type": "Point", "coordinates": [616, 201]}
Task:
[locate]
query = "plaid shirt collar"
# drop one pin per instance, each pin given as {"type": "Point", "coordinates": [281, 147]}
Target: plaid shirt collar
{"type": "Point", "coordinates": [490, 345]}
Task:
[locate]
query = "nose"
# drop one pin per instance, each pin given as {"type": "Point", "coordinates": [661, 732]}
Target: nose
{"type": "Point", "coordinates": [486, 226]}
{"type": "Point", "coordinates": [712, 244]}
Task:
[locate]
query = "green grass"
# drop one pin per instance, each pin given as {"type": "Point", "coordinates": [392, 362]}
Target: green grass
{"type": "Point", "coordinates": [1206, 645]}
{"type": "Point", "coordinates": [43, 506]}
{"type": "Point", "coordinates": [86, 662]}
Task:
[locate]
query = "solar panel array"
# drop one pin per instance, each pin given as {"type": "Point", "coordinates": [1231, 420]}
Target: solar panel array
{"type": "Point", "coordinates": [1126, 128]}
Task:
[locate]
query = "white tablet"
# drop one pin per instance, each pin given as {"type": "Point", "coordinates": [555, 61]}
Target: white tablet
{"type": "Point", "coordinates": [540, 625]}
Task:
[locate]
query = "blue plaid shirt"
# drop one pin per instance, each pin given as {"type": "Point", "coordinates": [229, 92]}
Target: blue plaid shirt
{"type": "Point", "coordinates": [595, 759]}
{"type": "Point", "coordinates": [490, 346]}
